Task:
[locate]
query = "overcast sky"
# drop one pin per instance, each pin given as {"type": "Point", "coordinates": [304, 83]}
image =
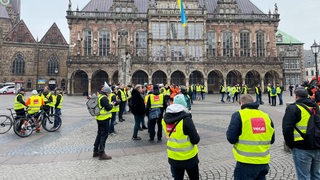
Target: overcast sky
{"type": "Point", "coordinates": [299, 18]}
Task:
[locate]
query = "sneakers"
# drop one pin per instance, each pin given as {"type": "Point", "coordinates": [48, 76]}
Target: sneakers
{"type": "Point", "coordinates": [136, 138]}
{"type": "Point", "coordinates": [104, 156]}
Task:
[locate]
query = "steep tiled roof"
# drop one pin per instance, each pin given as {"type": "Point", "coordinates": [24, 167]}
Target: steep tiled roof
{"type": "Point", "coordinates": [53, 36]}
{"type": "Point", "coordinates": [246, 6]}
{"type": "Point", "coordinates": [286, 38]}
{"type": "Point", "coordinates": [20, 33]}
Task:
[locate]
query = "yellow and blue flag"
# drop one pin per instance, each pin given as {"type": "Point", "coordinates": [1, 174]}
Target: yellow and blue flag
{"type": "Point", "coordinates": [182, 14]}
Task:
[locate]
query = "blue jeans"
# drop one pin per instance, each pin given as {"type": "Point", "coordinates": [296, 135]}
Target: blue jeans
{"type": "Point", "coordinates": [307, 163]}
{"type": "Point", "coordinates": [245, 171]}
{"type": "Point", "coordinates": [113, 119]}
{"type": "Point", "coordinates": [222, 97]}
{"type": "Point", "coordinates": [280, 99]}
{"type": "Point", "coordinates": [137, 121]}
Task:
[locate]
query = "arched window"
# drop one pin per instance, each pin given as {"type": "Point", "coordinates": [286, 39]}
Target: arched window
{"type": "Point", "coordinates": [260, 44]}
{"type": "Point", "coordinates": [211, 44]}
{"type": "Point", "coordinates": [87, 46]}
{"type": "Point", "coordinates": [227, 44]}
{"type": "Point", "coordinates": [18, 64]}
{"type": "Point", "coordinates": [53, 66]}
{"type": "Point", "coordinates": [245, 44]}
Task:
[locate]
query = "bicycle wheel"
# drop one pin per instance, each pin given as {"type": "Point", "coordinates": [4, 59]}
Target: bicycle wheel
{"type": "Point", "coordinates": [51, 122]}
{"type": "Point", "coordinates": [23, 127]}
{"type": "Point", "coordinates": [5, 124]}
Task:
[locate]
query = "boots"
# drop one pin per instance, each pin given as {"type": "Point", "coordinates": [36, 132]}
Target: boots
{"type": "Point", "coordinates": [104, 156]}
{"type": "Point", "coordinates": [96, 154]}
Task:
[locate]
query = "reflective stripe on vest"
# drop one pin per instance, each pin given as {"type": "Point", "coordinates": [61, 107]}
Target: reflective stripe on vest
{"type": "Point", "coordinates": [18, 105]}
{"type": "Point", "coordinates": [35, 104]}
{"type": "Point", "coordinates": [104, 115]}
{"type": "Point", "coordinates": [156, 101]}
{"type": "Point", "coordinates": [254, 142]}
{"type": "Point", "coordinates": [302, 124]}
{"type": "Point", "coordinates": [179, 146]}
{"type": "Point", "coordinates": [114, 108]}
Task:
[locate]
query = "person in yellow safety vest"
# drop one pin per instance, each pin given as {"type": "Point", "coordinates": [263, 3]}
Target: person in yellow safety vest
{"type": "Point", "coordinates": [182, 139]}
{"type": "Point", "coordinates": [113, 98]}
{"type": "Point", "coordinates": [58, 100]}
{"type": "Point", "coordinates": [244, 89]}
{"type": "Point", "coordinates": [222, 92]}
{"type": "Point", "coordinates": [251, 131]}
{"type": "Point", "coordinates": [279, 93]}
{"type": "Point", "coordinates": [34, 103]}
{"type": "Point", "coordinates": [155, 101]}
{"type": "Point", "coordinates": [268, 92]}
{"type": "Point", "coordinates": [123, 98]}
{"type": "Point", "coordinates": [234, 93]}
{"type": "Point", "coordinates": [103, 120]}
{"type": "Point", "coordinates": [166, 93]}
{"type": "Point", "coordinates": [305, 155]}
{"type": "Point", "coordinates": [273, 95]}
{"type": "Point", "coordinates": [19, 104]}
{"type": "Point", "coordinates": [203, 91]}
{"type": "Point", "coordinates": [198, 91]}
{"type": "Point", "coordinates": [47, 98]}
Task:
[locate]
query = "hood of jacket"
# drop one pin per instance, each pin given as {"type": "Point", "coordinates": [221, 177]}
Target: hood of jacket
{"type": "Point", "coordinates": [175, 112]}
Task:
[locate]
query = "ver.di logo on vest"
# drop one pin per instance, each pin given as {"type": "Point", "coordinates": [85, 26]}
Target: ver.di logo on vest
{"type": "Point", "coordinates": [258, 125]}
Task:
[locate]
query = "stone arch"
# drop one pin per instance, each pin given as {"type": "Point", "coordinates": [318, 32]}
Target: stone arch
{"type": "Point", "coordinates": [271, 77]}
{"type": "Point", "coordinates": [98, 79]}
{"type": "Point", "coordinates": [115, 77]}
{"type": "Point", "coordinates": [215, 78]}
{"type": "Point", "coordinates": [252, 79]}
{"type": "Point", "coordinates": [196, 77]}
{"type": "Point", "coordinates": [234, 77]}
{"type": "Point", "coordinates": [139, 77]}
{"type": "Point", "coordinates": [79, 84]}
{"type": "Point", "coordinates": [159, 77]}
{"type": "Point", "coordinates": [178, 78]}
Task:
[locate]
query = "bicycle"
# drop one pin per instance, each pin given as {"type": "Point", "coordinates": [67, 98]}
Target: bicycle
{"type": "Point", "coordinates": [6, 122]}
{"type": "Point", "coordinates": [25, 126]}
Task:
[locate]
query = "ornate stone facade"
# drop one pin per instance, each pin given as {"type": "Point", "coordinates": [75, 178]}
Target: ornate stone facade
{"type": "Point", "coordinates": [225, 42]}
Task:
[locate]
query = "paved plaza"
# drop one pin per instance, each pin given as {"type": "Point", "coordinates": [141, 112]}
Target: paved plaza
{"type": "Point", "coordinates": [67, 154]}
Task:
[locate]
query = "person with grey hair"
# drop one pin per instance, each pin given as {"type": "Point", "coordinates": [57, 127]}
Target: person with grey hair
{"type": "Point", "coordinates": [103, 123]}
{"type": "Point", "coordinates": [251, 131]}
{"type": "Point", "coordinates": [305, 157]}
{"type": "Point", "coordinates": [137, 106]}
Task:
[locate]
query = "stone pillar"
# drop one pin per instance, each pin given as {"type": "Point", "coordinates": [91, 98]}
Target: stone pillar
{"type": "Point", "coordinates": [89, 86]}
{"type": "Point", "coordinates": [206, 84]}
{"type": "Point", "coordinates": [168, 81]}
{"type": "Point", "coordinates": [225, 83]}
{"type": "Point", "coordinates": [187, 82]}
{"type": "Point", "coordinates": [262, 85]}
{"type": "Point", "coordinates": [72, 88]}
{"type": "Point", "coordinates": [69, 87]}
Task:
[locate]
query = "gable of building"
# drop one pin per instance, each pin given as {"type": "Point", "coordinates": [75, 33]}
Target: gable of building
{"type": "Point", "coordinates": [53, 36]}
{"type": "Point", "coordinates": [20, 33]}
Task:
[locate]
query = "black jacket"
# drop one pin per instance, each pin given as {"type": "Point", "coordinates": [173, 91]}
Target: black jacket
{"type": "Point", "coordinates": [136, 103]}
{"type": "Point", "coordinates": [291, 117]}
{"type": "Point", "coordinates": [104, 101]}
{"type": "Point", "coordinates": [174, 113]}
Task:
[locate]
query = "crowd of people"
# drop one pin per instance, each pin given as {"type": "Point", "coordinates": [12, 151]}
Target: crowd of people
{"type": "Point", "coordinates": [51, 102]}
{"type": "Point", "coordinates": [251, 131]}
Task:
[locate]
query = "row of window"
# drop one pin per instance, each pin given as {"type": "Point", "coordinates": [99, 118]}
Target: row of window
{"type": "Point", "coordinates": [177, 32]}
{"type": "Point", "coordinates": [18, 65]}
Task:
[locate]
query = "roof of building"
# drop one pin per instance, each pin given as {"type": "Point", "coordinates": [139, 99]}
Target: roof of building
{"type": "Point", "coordinates": [284, 38]}
{"type": "Point", "coordinates": [245, 6]}
{"type": "Point", "coordinates": [15, 5]}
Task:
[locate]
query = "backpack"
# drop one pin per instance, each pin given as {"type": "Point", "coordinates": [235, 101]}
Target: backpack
{"type": "Point", "coordinates": [92, 105]}
{"type": "Point", "coordinates": [273, 90]}
{"type": "Point", "coordinates": [312, 135]}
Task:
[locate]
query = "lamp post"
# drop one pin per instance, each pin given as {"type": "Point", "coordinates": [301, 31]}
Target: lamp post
{"type": "Point", "coordinates": [56, 71]}
{"type": "Point", "coordinates": [315, 51]}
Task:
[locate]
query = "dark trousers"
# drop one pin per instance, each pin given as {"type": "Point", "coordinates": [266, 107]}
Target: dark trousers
{"type": "Point", "coordinates": [222, 96]}
{"type": "Point", "coordinates": [152, 127]}
{"type": "Point", "coordinates": [273, 100]}
{"type": "Point", "coordinates": [269, 98]}
{"type": "Point", "coordinates": [250, 171]}
{"type": "Point", "coordinates": [57, 112]}
{"type": "Point", "coordinates": [111, 125]}
{"type": "Point", "coordinates": [102, 135]}
{"type": "Point", "coordinates": [137, 121]}
{"type": "Point", "coordinates": [178, 173]}
{"type": "Point", "coordinates": [20, 113]}
{"type": "Point", "coordinates": [121, 109]}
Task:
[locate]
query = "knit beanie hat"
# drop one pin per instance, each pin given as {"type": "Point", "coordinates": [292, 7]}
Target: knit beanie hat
{"type": "Point", "coordinates": [179, 99]}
